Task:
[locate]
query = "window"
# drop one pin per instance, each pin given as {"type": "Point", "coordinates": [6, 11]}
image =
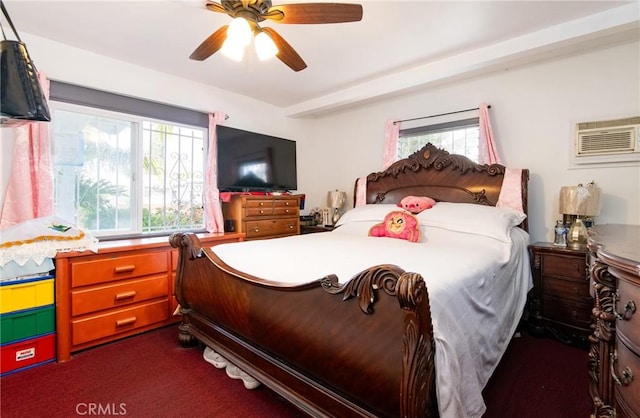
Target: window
{"type": "Point", "coordinates": [457, 137]}
{"type": "Point", "coordinates": [118, 174]}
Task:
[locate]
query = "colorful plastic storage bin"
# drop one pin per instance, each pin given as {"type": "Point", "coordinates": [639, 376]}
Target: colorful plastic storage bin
{"type": "Point", "coordinates": [26, 294]}
{"type": "Point", "coordinates": [28, 323]}
{"type": "Point", "coordinates": [29, 353]}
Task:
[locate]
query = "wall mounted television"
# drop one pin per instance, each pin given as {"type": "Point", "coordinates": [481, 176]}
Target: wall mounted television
{"type": "Point", "coordinates": [249, 161]}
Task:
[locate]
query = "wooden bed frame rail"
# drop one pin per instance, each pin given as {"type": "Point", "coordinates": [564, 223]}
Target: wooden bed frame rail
{"type": "Point", "coordinates": [332, 361]}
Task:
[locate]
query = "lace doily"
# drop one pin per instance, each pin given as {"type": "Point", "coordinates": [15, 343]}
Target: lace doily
{"type": "Point", "coordinates": [41, 238]}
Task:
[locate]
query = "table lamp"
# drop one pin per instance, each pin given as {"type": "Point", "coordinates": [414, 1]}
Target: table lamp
{"type": "Point", "coordinates": [335, 201]}
{"type": "Point", "coordinates": [579, 201]}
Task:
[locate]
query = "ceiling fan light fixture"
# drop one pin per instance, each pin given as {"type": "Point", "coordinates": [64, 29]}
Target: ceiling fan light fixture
{"type": "Point", "coordinates": [239, 31]}
{"type": "Point", "coordinates": [265, 46]}
{"type": "Point", "coordinates": [233, 38]}
{"type": "Point", "coordinates": [232, 50]}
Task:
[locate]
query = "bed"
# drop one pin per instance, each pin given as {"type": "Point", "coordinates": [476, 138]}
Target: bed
{"type": "Point", "coordinates": [346, 325]}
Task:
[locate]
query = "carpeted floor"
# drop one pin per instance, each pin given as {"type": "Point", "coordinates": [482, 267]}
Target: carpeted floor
{"type": "Point", "coordinates": [539, 377]}
{"type": "Point", "coordinates": [150, 375]}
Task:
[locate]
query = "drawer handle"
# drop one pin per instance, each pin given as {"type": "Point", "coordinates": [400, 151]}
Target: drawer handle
{"type": "Point", "coordinates": [256, 229]}
{"type": "Point", "coordinates": [286, 211]}
{"type": "Point", "coordinates": [290, 226]}
{"type": "Point", "coordinates": [627, 374]}
{"type": "Point", "coordinates": [261, 211]}
{"type": "Point", "coordinates": [126, 321]}
{"type": "Point", "coordinates": [286, 203]}
{"type": "Point", "coordinates": [125, 269]}
{"type": "Point", "coordinates": [629, 310]}
{"type": "Point", "coordinates": [261, 203]}
{"type": "Point", "coordinates": [125, 295]}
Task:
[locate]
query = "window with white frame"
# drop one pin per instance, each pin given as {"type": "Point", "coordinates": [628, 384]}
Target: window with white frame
{"type": "Point", "coordinates": [118, 174]}
{"type": "Point", "coordinates": [456, 137]}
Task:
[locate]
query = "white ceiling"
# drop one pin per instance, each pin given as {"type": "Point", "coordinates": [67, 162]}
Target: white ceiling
{"type": "Point", "coordinates": [398, 45]}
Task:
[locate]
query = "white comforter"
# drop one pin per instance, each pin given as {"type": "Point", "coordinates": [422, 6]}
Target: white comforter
{"type": "Point", "coordinates": [477, 288]}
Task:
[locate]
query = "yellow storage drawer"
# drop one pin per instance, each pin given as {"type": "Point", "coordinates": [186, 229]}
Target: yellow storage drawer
{"type": "Point", "coordinates": [26, 294]}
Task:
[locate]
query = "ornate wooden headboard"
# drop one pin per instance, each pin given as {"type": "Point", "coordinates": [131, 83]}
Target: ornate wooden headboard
{"type": "Point", "coordinates": [444, 177]}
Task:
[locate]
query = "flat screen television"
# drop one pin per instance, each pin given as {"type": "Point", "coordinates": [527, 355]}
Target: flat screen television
{"type": "Point", "coordinates": [249, 161]}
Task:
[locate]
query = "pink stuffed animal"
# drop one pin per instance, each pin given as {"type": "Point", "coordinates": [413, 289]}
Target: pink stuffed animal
{"type": "Point", "coordinates": [416, 204]}
{"type": "Point", "coordinates": [397, 224]}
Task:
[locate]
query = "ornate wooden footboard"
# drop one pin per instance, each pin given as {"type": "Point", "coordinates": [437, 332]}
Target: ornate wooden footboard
{"type": "Point", "coordinates": [360, 349]}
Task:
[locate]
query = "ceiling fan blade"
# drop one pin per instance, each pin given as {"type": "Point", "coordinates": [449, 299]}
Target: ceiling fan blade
{"type": "Point", "coordinates": [215, 7]}
{"type": "Point", "coordinates": [210, 45]}
{"type": "Point", "coordinates": [314, 13]}
{"type": "Point", "coordinates": [286, 53]}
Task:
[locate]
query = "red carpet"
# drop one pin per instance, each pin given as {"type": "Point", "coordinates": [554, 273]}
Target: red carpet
{"type": "Point", "coordinates": [150, 375]}
{"type": "Point", "coordinates": [539, 377]}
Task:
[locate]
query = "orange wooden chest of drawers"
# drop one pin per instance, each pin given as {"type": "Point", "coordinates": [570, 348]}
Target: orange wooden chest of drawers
{"type": "Point", "coordinates": [123, 289]}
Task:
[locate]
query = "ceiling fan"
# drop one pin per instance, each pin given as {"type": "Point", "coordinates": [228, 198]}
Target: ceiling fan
{"type": "Point", "coordinates": [255, 11]}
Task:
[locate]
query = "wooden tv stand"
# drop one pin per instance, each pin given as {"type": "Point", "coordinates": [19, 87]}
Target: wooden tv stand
{"type": "Point", "coordinates": [266, 216]}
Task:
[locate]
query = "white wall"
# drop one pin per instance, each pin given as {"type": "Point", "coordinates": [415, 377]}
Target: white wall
{"type": "Point", "coordinates": [65, 63]}
{"type": "Point", "coordinates": [76, 66]}
{"type": "Point", "coordinates": [534, 109]}
{"type": "Point", "coordinates": [533, 112]}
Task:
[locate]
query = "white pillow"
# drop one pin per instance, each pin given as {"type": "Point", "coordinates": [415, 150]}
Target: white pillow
{"type": "Point", "coordinates": [490, 221]}
{"type": "Point", "coordinates": [371, 212]}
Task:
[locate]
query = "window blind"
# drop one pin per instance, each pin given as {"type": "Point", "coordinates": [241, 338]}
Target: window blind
{"type": "Point", "coordinates": [85, 96]}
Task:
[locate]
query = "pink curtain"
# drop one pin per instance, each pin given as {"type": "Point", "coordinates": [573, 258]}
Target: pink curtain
{"type": "Point", "coordinates": [511, 190]}
{"type": "Point", "coordinates": [488, 151]}
{"type": "Point", "coordinates": [29, 193]}
{"type": "Point", "coordinates": [391, 133]}
{"type": "Point", "coordinates": [361, 191]}
{"type": "Point", "coordinates": [212, 208]}
{"type": "Point", "coordinates": [389, 156]}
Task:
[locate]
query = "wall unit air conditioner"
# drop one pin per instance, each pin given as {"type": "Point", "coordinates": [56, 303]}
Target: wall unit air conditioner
{"type": "Point", "coordinates": [611, 141]}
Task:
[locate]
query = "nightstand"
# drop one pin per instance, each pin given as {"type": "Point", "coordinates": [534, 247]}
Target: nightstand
{"type": "Point", "coordinates": [560, 303]}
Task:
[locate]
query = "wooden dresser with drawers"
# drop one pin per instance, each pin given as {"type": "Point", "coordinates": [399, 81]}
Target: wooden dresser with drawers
{"type": "Point", "coordinates": [264, 216]}
{"type": "Point", "coordinates": [560, 303]}
{"type": "Point", "coordinates": [614, 356]}
{"type": "Point", "coordinates": [123, 289]}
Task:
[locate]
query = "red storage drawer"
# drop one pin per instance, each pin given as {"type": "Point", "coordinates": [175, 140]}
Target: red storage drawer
{"type": "Point", "coordinates": [27, 353]}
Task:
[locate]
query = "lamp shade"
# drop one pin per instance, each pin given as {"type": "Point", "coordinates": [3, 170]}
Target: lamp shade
{"type": "Point", "coordinates": [232, 50]}
{"type": "Point", "coordinates": [336, 199]}
{"type": "Point", "coordinates": [239, 31]}
{"type": "Point", "coordinates": [580, 200]}
{"type": "Point", "coordinates": [265, 47]}
{"type": "Point", "coordinates": [238, 37]}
